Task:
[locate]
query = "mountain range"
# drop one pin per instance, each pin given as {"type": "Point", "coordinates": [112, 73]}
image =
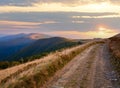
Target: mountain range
{"type": "Point", "coordinates": [15, 47]}
{"type": "Point", "coordinates": [13, 43]}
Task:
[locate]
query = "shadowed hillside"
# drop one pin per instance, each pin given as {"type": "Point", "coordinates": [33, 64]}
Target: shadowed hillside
{"type": "Point", "coordinates": [114, 45]}
{"type": "Point", "coordinates": [36, 73]}
{"type": "Point", "coordinates": [43, 46]}
{"type": "Point", "coordinates": [13, 43]}
{"type": "Point", "coordinates": [24, 48]}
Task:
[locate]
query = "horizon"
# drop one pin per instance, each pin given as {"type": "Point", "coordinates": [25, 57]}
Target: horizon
{"type": "Point", "coordinates": [75, 19]}
{"type": "Point", "coordinates": [6, 35]}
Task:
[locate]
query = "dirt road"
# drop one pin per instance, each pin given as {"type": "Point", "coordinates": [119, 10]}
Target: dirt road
{"type": "Point", "coordinates": [90, 69]}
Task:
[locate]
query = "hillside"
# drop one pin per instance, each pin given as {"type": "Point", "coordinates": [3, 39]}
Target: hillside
{"type": "Point", "coordinates": [83, 66]}
{"type": "Point", "coordinates": [36, 73]}
{"type": "Point", "coordinates": [114, 45]}
{"type": "Point", "coordinates": [13, 43]}
{"type": "Point", "coordinates": [43, 46]}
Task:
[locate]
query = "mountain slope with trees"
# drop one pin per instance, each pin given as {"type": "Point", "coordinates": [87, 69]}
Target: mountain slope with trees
{"type": "Point", "coordinates": [13, 43]}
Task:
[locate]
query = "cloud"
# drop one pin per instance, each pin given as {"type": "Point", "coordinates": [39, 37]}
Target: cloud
{"type": "Point", "coordinates": [59, 5]}
{"type": "Point", "coordinates": [22, 25]}
{"type": "Point", "coordinates": [19, 23]}
{"type": "Point", "coordinates": [79, 2]}
{"type": "Point", "coordinates": [63, 20]}
{"type": "Point", "coordinates": [104, 16]}
{"type": "Point", "coordinates": [63, 2]}
{"type": "Point", "coordinates": [116, 2]}
{"type": "Point", "coordinates": [59, 22]}
{"type": "Point", "coordinates": [17, 2]}
{"type": "Point", "coordinates": [30, 2]}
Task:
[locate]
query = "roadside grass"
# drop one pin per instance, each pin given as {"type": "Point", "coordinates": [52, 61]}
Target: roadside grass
{"type": "Point", "coordinates": [115, 61]}
{"type": "Point", "coordinates": [37, 74]}
{"type": "Point", "coordinates": [114, 47]}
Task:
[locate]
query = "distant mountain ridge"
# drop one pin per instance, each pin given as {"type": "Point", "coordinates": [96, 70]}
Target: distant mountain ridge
{"type": "Point", "coordinates": [12, 43]}
{"type": "Point", "coordinates": [23, 35]}
{"type": "Point", "coordinates": [15, 47]}
{"type": "Point", "coordinates": [43, 46]}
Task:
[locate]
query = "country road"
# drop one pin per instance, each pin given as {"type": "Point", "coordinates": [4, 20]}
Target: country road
{"type": "Point", "coordinates": [90, 69]}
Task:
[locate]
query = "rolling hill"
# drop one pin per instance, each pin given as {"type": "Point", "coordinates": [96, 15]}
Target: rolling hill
{"type": "Point", "coordinates": [43, 46]}
{"type": "Point", "coordinates": [13, 43]}
{"type": "Point", "coordinates": [114, 46]}
{"type": "Point", "coordinates": [114, 43]}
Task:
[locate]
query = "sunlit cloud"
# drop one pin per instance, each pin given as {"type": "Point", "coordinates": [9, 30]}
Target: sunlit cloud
{"type": "Point", "coordinates": [78, 22]}
{"type": "Point", "coordinates": [71, 5]}
{"type": "Point", "coordinates": [29, 22]}
{"type": "Point", "coordinates": [66, 2]}
{"type": "Point", "coordinates": [31, 2]}
{"type": "Point", "coordinates": [67, 18]}
{"type": "Point", "coordinates": [105, 16]}
{"type": "Point", "coordinates": [23, 25]}
{"type": "Point", "coordinates": [18, 23]}
{"type": "Point", "coordinates": [98, 33]}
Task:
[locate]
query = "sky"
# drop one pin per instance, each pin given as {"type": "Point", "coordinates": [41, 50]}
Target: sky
{"type": "Point", "coordinates": [66, 18]}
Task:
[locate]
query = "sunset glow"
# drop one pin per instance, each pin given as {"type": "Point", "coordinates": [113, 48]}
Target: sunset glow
{"type": "Point", "coordinates": [102, 31]}
{"type": "Point", "coordinates": [59, 43]}
{"type": "Point", "coordinates": [62, 17]}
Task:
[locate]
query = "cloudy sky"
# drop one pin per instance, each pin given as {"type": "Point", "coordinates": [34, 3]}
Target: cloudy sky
{"type": "Point", "coordinates": [67, 18]}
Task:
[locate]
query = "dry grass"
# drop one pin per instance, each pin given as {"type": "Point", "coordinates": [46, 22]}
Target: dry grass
{"type": "Point", "coordinates": [34, 74]}
{"type": "Point", "coordinates": [114, 45]}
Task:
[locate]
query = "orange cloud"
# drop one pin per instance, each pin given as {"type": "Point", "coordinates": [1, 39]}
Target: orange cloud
{"type": "Point", "coordinates": [25, 23]}
{"type": "Point", "coordinates": [17, 23]}
{"type": "Point", "coordinates": [22, 25]}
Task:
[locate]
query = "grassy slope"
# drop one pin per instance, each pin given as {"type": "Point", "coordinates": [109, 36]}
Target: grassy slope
{"type": "Point", "coordinates": [114, 45]}
{"type": "Point", "coordinates": [36, 73]}
{"type": "Point", "coordinates": [37, 50]}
